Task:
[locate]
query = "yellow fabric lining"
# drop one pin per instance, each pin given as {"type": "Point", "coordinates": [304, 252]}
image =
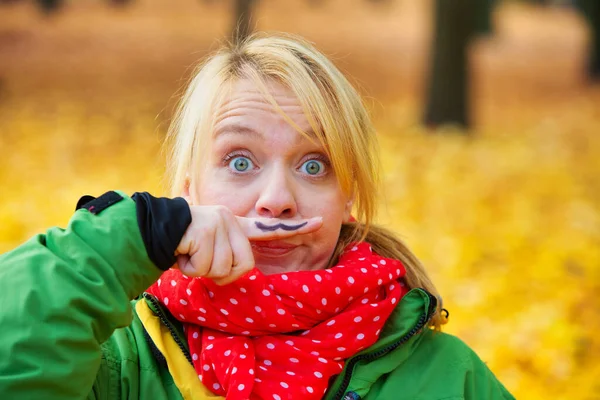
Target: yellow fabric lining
{"type": "Point", "coordinates": [184, 375]}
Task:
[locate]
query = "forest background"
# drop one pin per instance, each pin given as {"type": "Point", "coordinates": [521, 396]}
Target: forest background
{"type": "Point", "coordinates": [503, 209]}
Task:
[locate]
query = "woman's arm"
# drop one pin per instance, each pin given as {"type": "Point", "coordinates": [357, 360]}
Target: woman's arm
{"type": "Point", "coordinates": [64, 293]}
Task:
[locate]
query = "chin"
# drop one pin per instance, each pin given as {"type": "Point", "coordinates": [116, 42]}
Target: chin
{"type": "Point", "coordinates": [271, 269]}
{"type": "Point", "coordinates": [271, 260]}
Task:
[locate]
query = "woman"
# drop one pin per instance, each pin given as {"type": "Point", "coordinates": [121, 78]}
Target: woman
{"type": "Point", "coordinates": [277, 292]}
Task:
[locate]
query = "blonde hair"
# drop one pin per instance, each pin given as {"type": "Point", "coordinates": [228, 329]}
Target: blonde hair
{"type": "Point", "coordinates": [335, 111]}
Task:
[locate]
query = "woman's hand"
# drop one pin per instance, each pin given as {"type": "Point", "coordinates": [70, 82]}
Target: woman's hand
{"type": "Point", "coordinates": [216, 244]}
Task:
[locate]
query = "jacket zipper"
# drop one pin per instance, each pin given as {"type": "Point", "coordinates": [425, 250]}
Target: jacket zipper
{"type": "Point", "coordinates": [423, 319]}
{"type": "Point", "coordinates": [159, 312]}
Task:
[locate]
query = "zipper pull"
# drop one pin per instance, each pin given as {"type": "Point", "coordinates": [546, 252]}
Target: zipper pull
{"type": "Point", "coordinates": [351, 396]}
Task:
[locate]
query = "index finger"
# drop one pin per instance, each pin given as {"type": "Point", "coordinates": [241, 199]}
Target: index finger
{"type": "Point", "coordinates": [276, 228]}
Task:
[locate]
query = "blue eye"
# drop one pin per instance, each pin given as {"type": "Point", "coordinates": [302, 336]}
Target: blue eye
{"type": "Point", "coordinates": [312, 167]}
{"type": "Point", "coordinates": [241, 164]}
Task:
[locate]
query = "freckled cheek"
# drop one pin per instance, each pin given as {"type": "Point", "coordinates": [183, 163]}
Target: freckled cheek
{"type": "Point", "coordinates": [329, 233]}
{"type": "Point", "coordinates": [222, 195]}
{"type": "Point", "coordinates": [331, 208]}
{"type": "Point", "coordinates": [322, 245]}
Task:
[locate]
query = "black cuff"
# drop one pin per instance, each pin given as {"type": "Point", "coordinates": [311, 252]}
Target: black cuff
{"type": "Point", "coordinates": [162, 223]}
{"type": "Point", "coordinates": [97, 205]}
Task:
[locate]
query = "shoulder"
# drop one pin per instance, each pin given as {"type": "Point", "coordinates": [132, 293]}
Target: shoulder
{"type": "Point", "coordinates": [447, 345]}
{"type": "Point", "coordinates": [442, 366]}
{"type": "Point", "coordinates": [450, 353]}
{"type": "Point", "coordinates": [443, 352]}
{"type": "Point", "coordinates": [471, 374]}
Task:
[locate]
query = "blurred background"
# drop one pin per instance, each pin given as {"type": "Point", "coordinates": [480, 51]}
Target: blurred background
{"type": "Point", "coordinates": [488, 113]}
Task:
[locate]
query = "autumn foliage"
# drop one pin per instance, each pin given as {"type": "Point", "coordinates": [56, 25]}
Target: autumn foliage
{"type": "Point", "coordinates": [507, 218]}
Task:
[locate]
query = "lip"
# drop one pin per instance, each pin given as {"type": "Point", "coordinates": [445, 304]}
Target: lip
{"type": "Point", "coordinates": [273, 248]}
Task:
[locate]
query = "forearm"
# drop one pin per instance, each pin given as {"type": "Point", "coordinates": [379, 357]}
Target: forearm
{"type": "Point", "coordinates": [63, 294]}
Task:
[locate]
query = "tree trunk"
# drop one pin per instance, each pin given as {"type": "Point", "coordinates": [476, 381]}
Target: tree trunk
{"type": "Point", "coordinates": [49, 6]}
{"type": "Point", "coordinates": [591, 10]}
{"type": "Point", "coordinates": [594, 64]}
{"type": "Point", "coordinates": [120, 3]}
{"type": "Point", "coordinates": [483, 17]}
{"type": "Point", "coordinates": [243, 19]}
{"type": "Point", "coordinates": [448, 92]}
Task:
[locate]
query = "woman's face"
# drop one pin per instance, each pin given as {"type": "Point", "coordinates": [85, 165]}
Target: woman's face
{"type": "Point", "coordinates": [258, 165]}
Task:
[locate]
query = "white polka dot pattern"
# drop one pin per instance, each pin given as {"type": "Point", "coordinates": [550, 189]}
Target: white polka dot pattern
{"type": "Point", "coordinates": [283, 336]}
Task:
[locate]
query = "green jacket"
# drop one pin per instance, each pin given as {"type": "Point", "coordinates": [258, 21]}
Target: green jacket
{"type": "Point", "coordinates": [68, 329]}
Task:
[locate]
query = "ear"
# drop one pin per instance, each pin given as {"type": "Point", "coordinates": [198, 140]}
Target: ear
{"type": "Point", "coordinates": [348, 209]}
{"type": "Point", "coordinates": [185, 192]}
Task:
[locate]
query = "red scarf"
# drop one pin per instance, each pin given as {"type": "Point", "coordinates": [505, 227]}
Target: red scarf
{"type": "Point", "coordinates": [283, 336]}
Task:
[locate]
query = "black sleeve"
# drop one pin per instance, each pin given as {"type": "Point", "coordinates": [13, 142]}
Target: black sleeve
{"type": "Point", "coordinates": [162, 223]}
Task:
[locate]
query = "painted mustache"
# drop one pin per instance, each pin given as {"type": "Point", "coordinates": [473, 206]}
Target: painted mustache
{"type": "Point", "coordinates": [270, 228]}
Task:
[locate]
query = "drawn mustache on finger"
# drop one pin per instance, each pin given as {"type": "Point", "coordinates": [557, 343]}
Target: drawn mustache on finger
{"type": "Point", "coordinates": [271, 228]}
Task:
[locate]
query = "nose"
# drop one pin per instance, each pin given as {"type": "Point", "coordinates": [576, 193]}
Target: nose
{"type": "Point", "coordinates": [277, 198]}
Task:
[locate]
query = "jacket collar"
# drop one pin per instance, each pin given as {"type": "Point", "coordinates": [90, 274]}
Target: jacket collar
{"type": "Point", "coordinates": [406, 315]}
{"type": "Point", "coordinates": [397, 341]}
